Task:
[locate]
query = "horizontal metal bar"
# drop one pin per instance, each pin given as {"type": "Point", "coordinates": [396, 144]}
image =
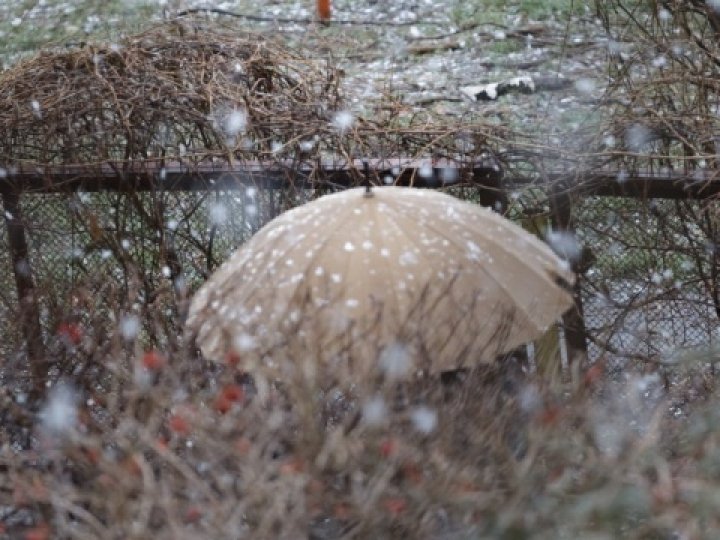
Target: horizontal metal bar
{"type": "Point", "coordinates": [698, 184]}
{"type": "Point", "coordinates": [153, 175]}
{"type": "Point", "coordinates": [179, 176]}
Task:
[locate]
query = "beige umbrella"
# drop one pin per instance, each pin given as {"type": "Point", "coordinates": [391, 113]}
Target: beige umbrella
{"type": "Point", "coordinates": [394, 280]}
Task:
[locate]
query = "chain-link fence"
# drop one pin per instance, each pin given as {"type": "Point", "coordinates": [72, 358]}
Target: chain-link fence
{"type": "Point", "coordinates": [650, 290]}
{"type": "Point", "coordinates": [653, 287]}
{"type": "Point", "coordinates": [99, 258]}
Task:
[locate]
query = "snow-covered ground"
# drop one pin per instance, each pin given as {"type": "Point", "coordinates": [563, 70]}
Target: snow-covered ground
{"type": "Point", "coordinates": [424, 50]}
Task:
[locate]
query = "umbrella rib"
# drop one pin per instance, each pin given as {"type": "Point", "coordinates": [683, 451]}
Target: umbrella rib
{"type": "Point", "coordinates": [321, 247]}
{"type": "Point", "coordinates": [392, 218]}
{"type": "Point", "coordinates": [386, 263]}
{"type": "Point", "coordinates": [484, 269]}
{"type": "Point", "coordinates": [477, 266]}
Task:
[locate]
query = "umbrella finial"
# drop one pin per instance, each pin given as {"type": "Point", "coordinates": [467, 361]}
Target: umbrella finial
{"type": "Point", "coordinates": [368, 186]}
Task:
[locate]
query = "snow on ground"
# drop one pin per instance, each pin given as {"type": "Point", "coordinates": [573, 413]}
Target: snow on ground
{"type": "Point", "coordinates": [480, 41]}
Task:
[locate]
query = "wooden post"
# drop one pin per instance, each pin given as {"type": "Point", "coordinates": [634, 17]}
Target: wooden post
{"type": "Point", "coordinates": [573, 320]}
{"type": "Point", "coordinates": [29, 313]}
{"type": "Point", "coordinates": [324, 10]}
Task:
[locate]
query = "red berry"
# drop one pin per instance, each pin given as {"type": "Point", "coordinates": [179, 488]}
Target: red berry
{"type": "Point", "coordinates": [412, 472]}
{"type": "Point", "coordinates": [342, 511]}
{"type": "Point", "coordinates": [71, 332]}
{"type": "Point", "coordinates": [395, 505]}
{"type": "Point", "coordinates": [193, 514]}
{"type": "Point", "coordinates": [232, 358]}
{"type": "Point", "coordinates": [178, 424]}
{"type": "Point", "coordinates": [388, 448]}
{"type": "Point", "coordinates": [39, 532]}
{"type": "Point", "coordinates": [222, 404]}
{"type": "Point", "coordinates": [153, 360]}
{"type": "Point", "coordinates": [243, 446]}
{"type": "Point", "coordinates": [550, 415]}
{"type": "Point", "coordinates": [294, 465]}
{"type": "Point", "coordinates": [233, 392]}
{"type": "Point", "coordinates": [161, 444]}
{"type": "Point", "coordinates": [594, 374]}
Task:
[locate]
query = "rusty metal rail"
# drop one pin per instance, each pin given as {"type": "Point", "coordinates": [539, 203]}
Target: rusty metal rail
{"type": "Point", "coordinates": [277, 174]}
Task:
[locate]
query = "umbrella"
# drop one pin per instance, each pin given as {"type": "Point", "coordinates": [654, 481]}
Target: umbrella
{"type": "Point", "coordinates": [390, 280]}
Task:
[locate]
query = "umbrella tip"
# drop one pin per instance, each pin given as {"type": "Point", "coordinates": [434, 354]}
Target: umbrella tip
{"type": "Point", "coordinates": [368, 187]}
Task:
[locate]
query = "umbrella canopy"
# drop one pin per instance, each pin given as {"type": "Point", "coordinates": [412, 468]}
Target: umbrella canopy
{"type": "Point", "coordinates": [397, 279]}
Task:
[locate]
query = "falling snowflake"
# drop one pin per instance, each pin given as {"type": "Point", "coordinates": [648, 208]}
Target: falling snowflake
{"type": "Point", "coordinates": [59, 415]}
{"type": "Point", "coordinates": [564, 244]}
{"type": "Point", "coordinates": [395, 360]}
{"type": "Point", "coordinates": [585, 86]}
{"type": "Point", "coordinates": [235, 122]}
{"type": "Point", "coordinates": [343, 120]}
{"type": "Point", "coordinates": [306, 146]}
{"type": "Point", "coordinates": [425, 171]}
{"type": "Point", "coordinates": [637, 136]}
{"type": "Point", "coordinates": [449, 175]}
{"type": "Point", "coordinates": [374, 411]}
{"type": "Point", "coordinates": [37, 111]}
{"type": "Point", "coordinates": [218, 214]}
{"type": "Point", "coordinates": [424, 419]}
{"type": "Point", "coordinates": [129, 327]}
{"type": "Point", "coordinates": [244, 342]}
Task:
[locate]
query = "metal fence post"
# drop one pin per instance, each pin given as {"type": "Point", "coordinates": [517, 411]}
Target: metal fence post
{"type": "Point", "coordinates": [573, 320]}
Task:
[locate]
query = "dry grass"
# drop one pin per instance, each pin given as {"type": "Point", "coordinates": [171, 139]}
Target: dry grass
{"type": "Point", "coordinates": [197, 92]}
{"type": "Point", "coordinates": [158, 443]}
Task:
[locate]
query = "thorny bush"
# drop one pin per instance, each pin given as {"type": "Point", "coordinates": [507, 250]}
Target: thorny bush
{"type": "Point", "coordinates": [137, 442]}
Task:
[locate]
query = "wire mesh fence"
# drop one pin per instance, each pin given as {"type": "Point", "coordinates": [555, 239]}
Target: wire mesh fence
{"type": "Point", "coordinates": [96, 258]}
{"type": "Point", "coordinates": [651, 290]}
